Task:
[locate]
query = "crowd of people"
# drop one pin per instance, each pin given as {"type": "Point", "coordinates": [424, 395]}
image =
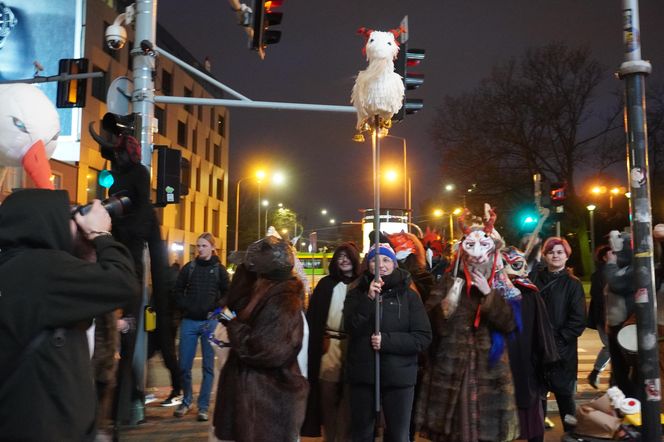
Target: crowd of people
{"type": "Point", "coordinates": [467, 353]}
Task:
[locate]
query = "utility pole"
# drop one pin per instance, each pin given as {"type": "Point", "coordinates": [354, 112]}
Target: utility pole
{"type": "Point", "coordinates": [633, 72]}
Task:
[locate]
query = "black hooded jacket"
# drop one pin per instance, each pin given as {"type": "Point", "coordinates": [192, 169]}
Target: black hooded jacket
{"type": "Point", "coordinates": [405, 331]}
{"type": "Point", "coordinates": [48, 392]}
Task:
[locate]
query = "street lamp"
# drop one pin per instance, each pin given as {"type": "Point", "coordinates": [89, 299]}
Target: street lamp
{"type": "Point", "coordinates": [406, 178]}
{"type": "Point", "coordinates": [280, 205]}
{"type": "Point", "coordinates": [591, 210]}
{"type": "Point", "coordinates": [456, 212]}
{"type": "Point", "coordinates": [323, 212]}
{"type": "Point", "coordinates": [278, 178]}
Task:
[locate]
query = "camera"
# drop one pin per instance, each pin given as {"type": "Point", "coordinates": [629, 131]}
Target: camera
{"type": "Point", "coordinates": [116, 36]}
{"type": "Point", "coordinates": [116, 206]}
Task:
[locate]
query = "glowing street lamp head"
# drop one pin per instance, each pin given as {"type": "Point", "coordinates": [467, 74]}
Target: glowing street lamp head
{"type": "Point", "coordinates": [265, 203]}
{"type": "Point", "coordinates": [438, 213]}
{"type": "Point", "coordinates": [449, 187]}
{"type": "Point", "coordinates": [323, 212]}
{"type": "Point", "coordinates": [278, 178]}
{"type": "Point", "coordinates": [457, 211]}
{"type": "Point", "coordinates": [615, 190]}
{"type": "Point", "coordinates": [260, 175]}
{"type": "Point", "coordinates": [391, 175]}
{"type": "Point", "coordinates": [591, 207]}
{"type": "Point", "coordinates": [332, 221]}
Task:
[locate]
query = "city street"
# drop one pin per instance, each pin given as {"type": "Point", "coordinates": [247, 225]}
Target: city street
{"type": "Point", "coordinates": [162, 426]}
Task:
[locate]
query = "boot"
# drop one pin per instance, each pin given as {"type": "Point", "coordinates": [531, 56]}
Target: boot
{"type": "Point", "coordinates": [593, 379]}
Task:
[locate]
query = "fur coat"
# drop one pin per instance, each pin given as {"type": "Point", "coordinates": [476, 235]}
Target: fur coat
{"type": "Point", "coordinates": [262, 394]}
{"type": "Point", "coordinates": [462, 398]}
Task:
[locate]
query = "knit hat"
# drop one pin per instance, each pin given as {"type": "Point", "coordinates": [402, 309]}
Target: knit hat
{"type": "Point", "coordinates": [384, 250]}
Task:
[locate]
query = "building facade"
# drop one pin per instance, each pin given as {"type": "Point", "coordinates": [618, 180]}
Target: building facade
{"type": "Point", "coordinates": [201, 133]}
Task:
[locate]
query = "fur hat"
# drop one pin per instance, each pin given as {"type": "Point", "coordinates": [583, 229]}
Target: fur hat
{"type": "Point", "coordinates": [271, 258]}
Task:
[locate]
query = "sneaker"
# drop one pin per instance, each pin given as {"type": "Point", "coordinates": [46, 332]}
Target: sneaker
{"type": "Point", "coordinates": [593, 379]}
{"type": "Point", "coordinates": [202, 416]}
{"type": "Point", "coordinates": [150, 398]}
{"type": "Point", "coordinates": [182, 410]}
{"type": "Point", "coordinates": [172, 400]}
{"type": "Point", "coordinates": [548, 423]}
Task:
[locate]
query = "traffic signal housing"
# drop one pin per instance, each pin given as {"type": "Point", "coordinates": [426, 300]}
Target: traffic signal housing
{"type": "Point", "coordinates": [265, 17]}
{"type": "Point", "coordinates": [173, 173]}
{"type": "Point", "coordinates": [407, 59]}
{"type": "Point", "coordinates": [558, 193]}
{"type": "Point", "coordinates": [71, 93]}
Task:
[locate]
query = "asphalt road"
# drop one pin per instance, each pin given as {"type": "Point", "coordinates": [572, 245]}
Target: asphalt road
{"type": "Point", "coordinates": [160, 424]}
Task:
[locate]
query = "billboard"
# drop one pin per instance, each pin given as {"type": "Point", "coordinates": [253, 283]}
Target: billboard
{"type": "Point", "coordinates": [39, 35]}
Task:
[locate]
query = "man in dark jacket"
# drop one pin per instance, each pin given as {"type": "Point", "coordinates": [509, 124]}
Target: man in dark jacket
{"type": "Point", "coordinates": [200, 287]}
{"type": "Point", "coordinates": [48, 300]}
{"type": "Point", "coordinates": [566, 306]}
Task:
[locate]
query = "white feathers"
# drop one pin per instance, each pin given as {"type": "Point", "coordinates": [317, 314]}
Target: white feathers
{"type": "Point", "coordinates": [378, 90]}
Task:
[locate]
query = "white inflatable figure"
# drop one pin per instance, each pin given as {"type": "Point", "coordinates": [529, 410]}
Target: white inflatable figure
{"type": "Point", "coordinates": [378, 90]}
{"type": "Point", "coordinates": [29, 129]}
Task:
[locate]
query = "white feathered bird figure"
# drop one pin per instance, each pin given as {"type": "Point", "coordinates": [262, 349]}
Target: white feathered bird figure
{"type": "Point", "coordinates": [378, 90]}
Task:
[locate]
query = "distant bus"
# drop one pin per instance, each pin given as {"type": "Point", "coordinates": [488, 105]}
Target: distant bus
{"type": "Point", "coordinates": [315, 263]}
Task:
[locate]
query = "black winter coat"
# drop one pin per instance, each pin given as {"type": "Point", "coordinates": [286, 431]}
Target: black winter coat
{"type": "Point", "coordinates": [405, 331]}
{"type": "Point", "coordinates": [597, 307]}
{"type": "Point", "coordinates": [566, 306]}
{"type": "Point", "coordinates": [199, 292]}
{"type": "Point", "coordinates": [51, 395]}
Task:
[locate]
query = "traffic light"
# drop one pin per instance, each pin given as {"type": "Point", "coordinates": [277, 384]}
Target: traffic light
{"type": "Point", "coordinates": [558, 193]}
{"type": "Point", "coordinates": [264, 17]}
{"type": "Point", "coordinates": [528, 220]}
{"type": "Point", "coordinates": [409, 58]}
{"type": "Point", "coordinates": [173, 173]}
{"type": "Point", "coordinates": [71, 93]}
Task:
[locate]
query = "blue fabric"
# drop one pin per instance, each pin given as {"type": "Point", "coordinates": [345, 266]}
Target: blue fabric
{"type": "Point", "coordinates": [190, 332]}
{"type": "Point", "coordinates": [498, 340]}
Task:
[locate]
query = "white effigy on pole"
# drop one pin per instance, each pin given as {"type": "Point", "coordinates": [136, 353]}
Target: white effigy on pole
{"type": "Point", "coordinates": [377, 95]}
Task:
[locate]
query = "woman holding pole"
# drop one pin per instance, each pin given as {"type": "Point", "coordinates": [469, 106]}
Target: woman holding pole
{"type": "Point", "coordinates": [405, 332]}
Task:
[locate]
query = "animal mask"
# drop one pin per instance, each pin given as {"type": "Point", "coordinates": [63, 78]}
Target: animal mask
{"type": "Point", "coordinates": [480, 240]}
{"type": "Point", "coordinates": [516, 265]}
{"type": "Point", "coordinates": [380, 44]}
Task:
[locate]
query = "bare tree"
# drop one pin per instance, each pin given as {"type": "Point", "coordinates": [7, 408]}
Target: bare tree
{"type": "Point", "coordinates": [531, 115]}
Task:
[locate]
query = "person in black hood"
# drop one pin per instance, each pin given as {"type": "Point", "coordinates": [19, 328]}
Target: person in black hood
{"type": "Point", "coordinates": [201, 287]}
{"type": "Point", "coordinates": [327, 404]}
{"type": "Point", "coordinates": [48, 299]}
{"type": "Point", "coordinates": [405, 331]}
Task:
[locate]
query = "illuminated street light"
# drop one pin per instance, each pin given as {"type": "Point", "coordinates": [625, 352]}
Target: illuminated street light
{"type": "Point", "coordinates": [259, 176]}
{"type": "Point", "coordinates": [332, 221]}
{"type": "Point", "coordinates": [323, 212]}
{"type": "Point", "coordinates": [391, 176]}
{"type": "Point", "coordinates": [438, 213]}
{"type": "Point", "coordinates": [591, 210]}
{"type": "Point", "coordinates": [265, 203]}
{"type": "Point", "coordinates": [449, 187]}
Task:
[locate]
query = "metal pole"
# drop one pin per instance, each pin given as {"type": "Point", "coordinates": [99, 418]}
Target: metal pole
{"type": "Point", "coordinates": [451, 227]}
{"type": "Point", "coordinates": [237, 213]}
{"type": "Point", "coordinates": [633, 71]}
{"type": "Point", "coordinates": [592, 233]}
{"type": "Point", "coordinates": [255, 104]}
{"type": "Point", "coordinates": [375, 141]}
{"type": "Point", "coordinates": [259, 210]}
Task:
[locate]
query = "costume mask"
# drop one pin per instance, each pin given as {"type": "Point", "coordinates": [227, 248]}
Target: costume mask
{"type": "Point", "coordinates": [516, 265]}
{"type": "Point", "coordinates": [479, 241]}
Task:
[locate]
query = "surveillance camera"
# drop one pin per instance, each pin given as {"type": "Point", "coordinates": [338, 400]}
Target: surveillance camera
{"type": "Point", "coordinates": [116, 36]}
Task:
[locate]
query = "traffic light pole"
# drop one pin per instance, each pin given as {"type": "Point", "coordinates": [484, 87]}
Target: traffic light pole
{"type": "Point", "coordinates": [633, 71]}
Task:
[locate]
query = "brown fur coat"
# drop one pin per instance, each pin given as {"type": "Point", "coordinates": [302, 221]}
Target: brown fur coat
{"type": "Point", "coordinates": [461, 397]}
{"type": "Point", "coordinates": [262, 394]}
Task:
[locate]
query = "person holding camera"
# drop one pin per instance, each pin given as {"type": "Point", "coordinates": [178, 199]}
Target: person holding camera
{"type": "Point", "coordinates": [200, 288]}
{"type": "Point", "coordinates": [48, 298]}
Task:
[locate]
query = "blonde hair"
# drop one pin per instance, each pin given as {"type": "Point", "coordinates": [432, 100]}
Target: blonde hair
{"type": "Point", "coordinates": [207, 236]}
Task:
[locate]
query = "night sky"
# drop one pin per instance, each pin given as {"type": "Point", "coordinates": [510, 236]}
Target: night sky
{"type": "Point", "coordinates": [320, 53]}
